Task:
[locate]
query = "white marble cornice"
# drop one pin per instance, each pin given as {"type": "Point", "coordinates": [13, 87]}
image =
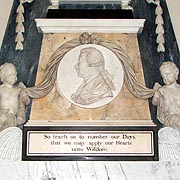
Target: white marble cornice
{"type": "Point", "coordinates": [90, 25]}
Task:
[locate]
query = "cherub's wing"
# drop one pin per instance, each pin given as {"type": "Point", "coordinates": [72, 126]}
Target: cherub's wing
{"type": "Point", "coordinates": [11, 144]}
{"type": "Point", "coordinates": [169, 144]}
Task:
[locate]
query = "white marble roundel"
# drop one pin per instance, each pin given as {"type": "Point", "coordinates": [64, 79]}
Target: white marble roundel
{"type": "Point", "coordinates": [90, 76]}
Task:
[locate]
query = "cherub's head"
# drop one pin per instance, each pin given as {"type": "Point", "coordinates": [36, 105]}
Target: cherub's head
{"type": "Point", "coordinates": [8, 73]}
{"type": "Point", "coordinates": [169, 72]}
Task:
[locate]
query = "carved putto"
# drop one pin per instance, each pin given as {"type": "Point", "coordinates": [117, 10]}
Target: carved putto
{"type": "Point", "coordinates": [167, 97]}
{"type": "Point", "coordinates": [12, 98]}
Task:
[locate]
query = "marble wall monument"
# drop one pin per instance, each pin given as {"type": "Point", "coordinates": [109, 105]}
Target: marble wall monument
{"type": "Point", "coordinates": [86, 131]}
{"type": "Point", "coordinates": [90, 77]}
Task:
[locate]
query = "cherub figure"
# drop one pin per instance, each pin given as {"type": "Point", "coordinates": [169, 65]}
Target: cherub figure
{"type": "Point", "coordinates": [167, 97]}
{"type": "Point", "coordinates": [12, 98]}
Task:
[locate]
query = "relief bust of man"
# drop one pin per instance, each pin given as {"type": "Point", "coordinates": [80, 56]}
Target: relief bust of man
{"type": "Point", "coordinates": [97, 83]}
{"type": "Point", "coordinates": [167, 97]}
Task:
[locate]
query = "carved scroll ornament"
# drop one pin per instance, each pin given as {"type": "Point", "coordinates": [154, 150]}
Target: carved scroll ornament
{"type": "Point", "coordinates": [134, 86]}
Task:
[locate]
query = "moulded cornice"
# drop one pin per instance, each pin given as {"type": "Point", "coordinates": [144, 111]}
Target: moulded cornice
{"type": "Point", "coordinates": [90, 25]}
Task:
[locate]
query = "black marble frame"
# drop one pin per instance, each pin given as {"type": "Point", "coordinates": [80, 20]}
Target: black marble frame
{"type": "Point", "coordinates": [84, 129]}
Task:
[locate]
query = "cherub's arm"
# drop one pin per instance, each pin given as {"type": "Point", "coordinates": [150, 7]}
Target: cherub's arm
{"type": "Point", "coordinates": [157, 94]}
{"type": "Point", "coordinates": [23, 94]}
{"type": "Point", "coordinates": [23, 101]}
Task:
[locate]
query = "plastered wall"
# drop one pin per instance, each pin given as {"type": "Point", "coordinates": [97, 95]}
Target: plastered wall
{"type": "Point", "coordinates": [174, 7]}
{"type": "Point", "coordinates": [5, 8]}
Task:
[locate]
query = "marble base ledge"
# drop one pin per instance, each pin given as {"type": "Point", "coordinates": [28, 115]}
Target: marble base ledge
{"type": "Point", "coordinates": [136, 123]}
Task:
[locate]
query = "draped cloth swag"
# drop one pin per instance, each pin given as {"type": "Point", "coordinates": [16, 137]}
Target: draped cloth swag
{"type": "Point", "coordinates": [48, 82]}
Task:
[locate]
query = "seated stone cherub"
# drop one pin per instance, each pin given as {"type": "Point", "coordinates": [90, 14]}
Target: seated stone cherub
{"type": "Point", "coordinates": [167, 97]}
{"type": "Point", "coordinates": [12, 98]}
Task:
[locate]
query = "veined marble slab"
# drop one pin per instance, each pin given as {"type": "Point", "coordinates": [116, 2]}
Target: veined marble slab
{"type": "Point", "coordinates": [163, 170]}
{"type": "Point", "coordinates": [124, 107]}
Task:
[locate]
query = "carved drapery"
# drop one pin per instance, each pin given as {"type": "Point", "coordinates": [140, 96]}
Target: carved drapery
{"type": "Point", "coordinates": [51, 70]}
{"type": "Point", "coordinates": [159, 25]}
{"type": "Point", "coordinates": [132, 83]}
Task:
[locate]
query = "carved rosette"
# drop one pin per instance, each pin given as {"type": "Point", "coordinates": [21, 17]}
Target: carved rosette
{"type": "Point", "coordinates": [87, 38]}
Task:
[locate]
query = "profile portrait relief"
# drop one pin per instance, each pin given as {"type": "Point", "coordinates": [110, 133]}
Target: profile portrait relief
{"type": "Point", "coordinates": [89, 76]}
{"type": "Point", "coordinates": [97, 83]}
